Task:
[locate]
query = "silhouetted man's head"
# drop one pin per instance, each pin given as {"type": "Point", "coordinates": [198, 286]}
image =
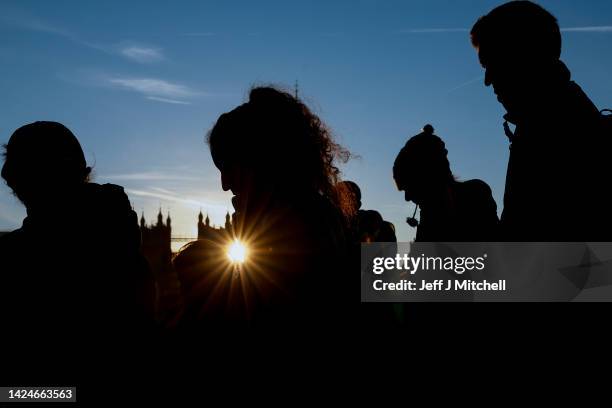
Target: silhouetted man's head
{"type": "Point", "coordinates": [274, 144]}
{"type": "Point", "coordinates": [421, 167]}
{"type": "Point", "coordinates": [41, 160]}
{"type": "Point", "coordinates": [518, 43]}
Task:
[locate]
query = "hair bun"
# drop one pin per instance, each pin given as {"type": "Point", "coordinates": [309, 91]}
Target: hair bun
{"type": "Point", "coordinates": [428, 129]}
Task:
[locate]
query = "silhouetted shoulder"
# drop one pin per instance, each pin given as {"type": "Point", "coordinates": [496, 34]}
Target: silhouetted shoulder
{"type": "Point", "coordinates": [11, 244]}
{"type": "Point", "coordinates": [478, 196]}
{"type": "Point", "coordinates": [479, 210]}
{"type": "Point", "coordinates": [9, 237]}
{"type": "Point", "coordinates": [110, 200]}
{"type": "Point", "coordinates": [113, 189]}
{"type": "Point", "coordinates": [111, 206]}
{"type": "Point", "coordinates": [109, 192]}
{"type": "Point", "coordinates": [477, 186]}
{"type": "Point", "coordinates": [324, 222]}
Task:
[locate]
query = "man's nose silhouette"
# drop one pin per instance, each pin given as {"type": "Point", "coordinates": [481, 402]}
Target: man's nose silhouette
{"type": "Point", "coordinates": [225, 183]}
{"type": "Point", "coordinates": [487, 77]}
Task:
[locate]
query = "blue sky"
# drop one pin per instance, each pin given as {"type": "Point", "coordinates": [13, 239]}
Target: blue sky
{"type": "Point", "coordinates": [140, 83]}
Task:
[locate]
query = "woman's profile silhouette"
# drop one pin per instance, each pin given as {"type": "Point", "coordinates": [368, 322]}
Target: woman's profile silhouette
{"type": "Point", "coordinates": [280, 162]}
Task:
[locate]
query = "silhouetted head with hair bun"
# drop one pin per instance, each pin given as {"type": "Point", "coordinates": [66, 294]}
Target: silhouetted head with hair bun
{"type": "Point", "coordinates": [422, 166]}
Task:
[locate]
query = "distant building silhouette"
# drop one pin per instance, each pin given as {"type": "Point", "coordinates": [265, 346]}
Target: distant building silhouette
{"type": "Point", "coordinates": [158, 252]}
{"type": "Point", "coordinates": [157, 249]}
{"type": "Point", "coordinates": [156, 238]}
{"type": "Point", "coordinates": [156, 242]}
{"type": "Point", "coordinates": [206, 231]}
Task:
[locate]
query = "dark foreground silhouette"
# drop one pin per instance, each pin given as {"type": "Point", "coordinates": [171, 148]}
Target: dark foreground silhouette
{"type": "Point", "coordinates": [368, 227]}
{"type": "Point", "coordinates": [279, 161]}
{"type": "Point", "coordinates": [559, 171]}
{"type": "Point", "coordinates": [72, 275]}
{"type": "Point", "coordinates": [364, 225]}
{"type": "Point", "coordinates": [451, 211]}
{"type": "Point", "coordinates": [75, 291]}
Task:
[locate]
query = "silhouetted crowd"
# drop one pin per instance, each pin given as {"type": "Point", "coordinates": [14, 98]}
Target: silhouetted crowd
{"type": "Point", "coordinates": [301, 223]}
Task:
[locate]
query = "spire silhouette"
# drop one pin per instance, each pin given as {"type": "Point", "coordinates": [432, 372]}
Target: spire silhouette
{"type": "Point", "coordinates": [160, 217]}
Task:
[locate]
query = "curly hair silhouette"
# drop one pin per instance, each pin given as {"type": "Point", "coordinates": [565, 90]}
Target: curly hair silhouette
{"type": "Point", "coordinates": [275, 143]}
{"type": "Point", "coordinates": [281, 163]}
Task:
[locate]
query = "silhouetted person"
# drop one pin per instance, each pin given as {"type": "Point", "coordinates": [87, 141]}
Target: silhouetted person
{"type": "Point", "coordinates": [72, 276]}
{"type": "Point", "coordinates": [279, 160]}
{"type": "Point", "coordinates": [558, 172]}
{"type": "Point", "coordinates": [350, 192]}
{"type": "Point", "coordinates": [210, 289]}
{"type": "Point", "coordinates": [365, 225]}
{"type": "Point", "coordinates": [450, 210]}
{"type": "Point", "coordinates": [369, 227]}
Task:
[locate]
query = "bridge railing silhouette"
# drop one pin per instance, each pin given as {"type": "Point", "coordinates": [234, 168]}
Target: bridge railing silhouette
{"type": "Point", "coordinates": [183, 239]}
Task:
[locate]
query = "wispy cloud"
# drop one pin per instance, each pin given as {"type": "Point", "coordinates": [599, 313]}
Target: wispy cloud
{"type": "Point", "coordinates": [589, 29]}
{"type": "Point", "coordinates": [163, 190]}
{"type": "Point", "coordinates": [23, 21]}
{"type": "Point", "coordinates": [479, 78]}
{"type": "Point", "coordinates": [28, 22]}
{"type": "Point", "coordinates": [149, 88]}
{"type": "Point", "coordinates": [131, 51]}
{"type": "Point", "coordinates": [149, 176]}
{"type": "Point", "coordinates": [142, 54]}
{"type": "Point", "coordinates": [183, 206]}
{"type": "Point", "coordinates": [170, 197]}
{"type": "Point", "coordinates": [166, 100]}
{"type": "Point", "coordinates": [159, 89]}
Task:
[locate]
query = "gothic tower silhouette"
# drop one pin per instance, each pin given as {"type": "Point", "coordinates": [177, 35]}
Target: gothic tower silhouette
{"type": "Point", "coordinates": [208, 231]}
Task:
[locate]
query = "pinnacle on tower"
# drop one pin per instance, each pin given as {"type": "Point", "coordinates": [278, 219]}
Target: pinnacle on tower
{"type": "Point", "coordinates": [228, 222]}
{"type": "Point", "coordinates": [160, 217]}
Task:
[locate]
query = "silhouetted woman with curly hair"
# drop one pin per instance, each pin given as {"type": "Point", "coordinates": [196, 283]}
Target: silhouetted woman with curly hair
{"type": "Point", "coordinates": [280, 162]}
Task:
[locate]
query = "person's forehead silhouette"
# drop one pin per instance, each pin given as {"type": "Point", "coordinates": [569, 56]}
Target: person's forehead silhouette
{"type": "Point", "coordinates": [42, 158]}
{"type": "Point", "coordinates": [514, 33]}
{"type": "Point", "coordinates": [44, 143]}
